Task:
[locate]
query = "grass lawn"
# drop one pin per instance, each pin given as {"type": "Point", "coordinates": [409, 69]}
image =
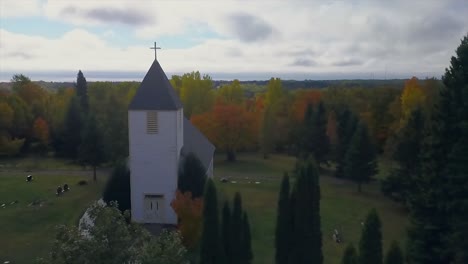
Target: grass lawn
{"type": "Point", "coordinates": [27, 231]}
{"type": "Point", "coordinates": [33, 162]}
{"type": "Point", "coordinates": [342, 207]}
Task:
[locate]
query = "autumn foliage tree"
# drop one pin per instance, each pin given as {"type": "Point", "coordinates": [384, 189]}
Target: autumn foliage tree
{"type": "Point", "coordinates": [189, 211]}
{"type": "Point", "coordinates": [41, 133]}
{"type": "Point", "coordinates": [230, 127]}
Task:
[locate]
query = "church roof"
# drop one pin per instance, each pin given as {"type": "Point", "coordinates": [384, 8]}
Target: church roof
{"type": "Point", "coordinates": [155, 92]}
{"type": "Point", "coordinates": [197, 143]}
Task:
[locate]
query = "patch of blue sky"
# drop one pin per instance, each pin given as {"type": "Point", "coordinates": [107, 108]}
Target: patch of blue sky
{"type": "Point", "coordinates": [35, 26]}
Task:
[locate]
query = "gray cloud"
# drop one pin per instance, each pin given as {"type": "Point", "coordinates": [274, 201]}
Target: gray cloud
{"type": "Point", "coordinates": [249, 28]}
{"type": "Point", "coordinates": [348, 62]}
{"type": "Point", "coordinates": [130, 16]}
{"type": "Point", "coordinates": [19, 54]}
{"type": "Point", "coordinates": [303, 62]}
{"type": "Point", "coordinates": [234, 52]}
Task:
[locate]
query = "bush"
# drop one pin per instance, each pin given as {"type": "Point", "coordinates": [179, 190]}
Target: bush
{"type": "Point", "coordinates": [118, 187]}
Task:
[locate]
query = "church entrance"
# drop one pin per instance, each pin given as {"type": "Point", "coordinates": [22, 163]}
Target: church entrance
{"type": "Point", "coordinates": [154, 208]}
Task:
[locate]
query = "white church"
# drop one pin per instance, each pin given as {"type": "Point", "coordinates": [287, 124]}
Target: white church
{"type": "Point", "coordinates": [159, 138]}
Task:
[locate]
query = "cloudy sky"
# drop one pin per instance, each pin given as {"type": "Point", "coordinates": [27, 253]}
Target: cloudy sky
{"type": "Point", "coordinates": [110, 40]}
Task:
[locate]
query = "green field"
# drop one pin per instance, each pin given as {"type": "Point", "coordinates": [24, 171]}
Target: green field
{"type": "Point", "coordinates": [342, 207]}
{"type": "Point", "coordinates": [31, 228]}
{"type": "Point", "coordinates": [27, 231]}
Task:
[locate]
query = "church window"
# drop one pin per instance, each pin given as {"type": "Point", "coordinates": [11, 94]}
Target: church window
{"type": "Point", "coordinates": [152, 122]}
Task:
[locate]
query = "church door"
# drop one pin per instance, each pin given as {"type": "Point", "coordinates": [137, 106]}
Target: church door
{"type": "Point", "coordinates": [154, 208]}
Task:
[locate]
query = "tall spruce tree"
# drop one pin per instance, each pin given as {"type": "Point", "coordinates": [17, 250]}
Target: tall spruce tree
{"type": "Point", "coordinates": [192, 176]}
{"type": "Point", "coordinates": [347, 123]}
{"type": "Point", "coordinates": [236, 229]}
{"type": "Point", "coordinates": [400, 183]}
{"type": "Point", "coordinates": [283, 224]}
{"type": "Point", "coordinates": [370, 245]}
{"type": "Point", "coordinates": [72, 130]}
{"type": "Point", "coordinates": [361, 158]}
{"type": "Point", "coordinates": [350, 255]}
{"type": "Point", "coordinates": [394, 254]}
{"type": "Point", "coordinates": [211, 248]}
{"type": "Point", "coordinates": [91, 150]}
{"type": "Point", "coordinates": [118, 187]}
{"type": "Point", "coordinates": [434, 202]}
{"type": "Point", "coordinates": [246, 243]}
{"type": "Point", "coordinates": [321, 143]}
{"type": "Point", "coordinates": [82, 91]}
{"type": "Point", "coordinates": [226, 231]}
{"type": "Point", "coordinates": [307, 236]}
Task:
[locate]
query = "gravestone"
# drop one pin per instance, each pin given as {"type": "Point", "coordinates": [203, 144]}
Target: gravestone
{"type": "Point", "coordinates": [29, 178]}
{"type": "Point", "coordinates": [59, 191]}
{"type": "Point", "coordinates": [65, 187]}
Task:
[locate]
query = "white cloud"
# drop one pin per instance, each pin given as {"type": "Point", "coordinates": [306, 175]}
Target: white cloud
{"type": "Point", "coordinates": [23, 8]}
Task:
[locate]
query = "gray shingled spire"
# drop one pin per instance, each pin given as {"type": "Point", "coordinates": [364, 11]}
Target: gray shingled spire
{"type": "Point", "coordinates": [155, 92]}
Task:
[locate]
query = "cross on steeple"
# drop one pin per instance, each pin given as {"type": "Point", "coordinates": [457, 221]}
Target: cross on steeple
{"type": "Point", "coordinates": [155, 51]}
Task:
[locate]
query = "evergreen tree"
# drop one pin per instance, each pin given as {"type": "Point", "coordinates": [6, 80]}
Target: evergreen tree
{"type": "Point", "coordinates": [321, 146]}
{"type": "Point", "coordinates": [347, 123]}
{"type": "Point", "coordinates": [192, 176]}
{"type": "Point", "coordinates": [307, 237]}
{"type": "Point", "coordinates": [361, 160]}
{"type": "Point", "coordinates": [283, 224]}
{"type": "Point", "coordinates": [246, 244]}
{"type": "Point", "coordinates": [118, 187]}
{"type": "Point", "coordinates": [314, 136]}
{"type": "Point", "coordinates": [350, 256]}
{"type": "Point", "coordinates": [436, 203]}
{"type": "Point", "coordinates": [211, 248]}
{"type": "Point", "coordinates": [226, 231]}
{"type": "Point", "coordinates": [370, 245]}
{"type": "Point", "coordinates": [400, 183]}
{"type": "Point", "coordinates": [394, 254]}
{"type": "Point", "coordinates": [267, 139]}
{"type": "Point", "coordinates": [82, 91]}
{"type": "Point", "coordinates": [236, 230]}
{"type": "Point", "coordinates": [72, 130]}
{"type": "Point", "coordinates": [91, 150]}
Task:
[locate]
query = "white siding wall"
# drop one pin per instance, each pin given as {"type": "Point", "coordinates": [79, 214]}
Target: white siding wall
{"type": "Point", "coordinates": [153, 161]}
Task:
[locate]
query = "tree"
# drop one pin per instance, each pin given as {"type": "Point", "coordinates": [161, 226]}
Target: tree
{"type": "Point", "coordinates": [350, 256]}
{"type": "Point", "coordinates": [283, 224]}
{"type": "Point", "coordinates": [412, 97]}
{"type": "Point", "coordinates": [360, 161]}
{"type": "Point", "coordinates": [82, 91]}
{"type": "Point", "coordinates": [192, 176]}
{"type": "Point", "coordinates": [196, 93]}
{"type": "Point", "coordinates": [110, 238]}
{"type": "Point", "coordinates": [6, 119]}
{"type": "Point", "coordinates": [211, 248]}
{"type": "Point", "coordinates": [370, 245]}
{"type": "Point", "coordinates": [394, 254]}
{"type": "Point", "coordinates": [91, 151]}
{"type": "Point", "coordinates": [41, 133]}
{"type": "Point", "coordinates": [321, 144]}
{"type": "Point", "coordinates": [247, 255]}
{"type": "Point", "coordinates": [167, 248]}
{"type": "Point", "coordinates": [72, 130]}
{"type": "Point", "coordinates": [189, 213]}
{"type": "Point", "coordinates": [267, 140]}
{"type": "Point", "coordinates": [437, 199]}
{"type": "Point", "coordinates": [274, 93]}
{"type": "Point", "coordinates": [400, 183]}
{"type": "Point", "coordinates": [236, 230]}
{"type": "Point", "coordinates": [231, 93]}
{"type": "Point", "coordinates": [307, 237]}
{"type": "Point", "coordinates": [118, 187]}
{"type": "Point", "coordinates": [226, 232]}
{"type": "Point", "coordinates": [230, 127]}
{"type": "Point", "coordinates": [347, 123]}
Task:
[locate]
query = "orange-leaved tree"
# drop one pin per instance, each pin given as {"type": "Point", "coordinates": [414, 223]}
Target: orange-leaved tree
{"type": "Point", "coordinates": [229, 126]}
{"type": "Point", "coordinates": [41, 131]}
{"type": "Point", "coordinates": [189, 211]}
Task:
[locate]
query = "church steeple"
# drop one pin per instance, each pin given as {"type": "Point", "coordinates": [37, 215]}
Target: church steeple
{"type": "Point", "coordinates": [155, 92]}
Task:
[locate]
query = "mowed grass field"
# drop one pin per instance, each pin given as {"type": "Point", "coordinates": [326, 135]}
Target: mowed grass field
{"type": "Point", "coordinates": [342, 207]}
{"type": "Point", "coordinates": [27, 231]}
